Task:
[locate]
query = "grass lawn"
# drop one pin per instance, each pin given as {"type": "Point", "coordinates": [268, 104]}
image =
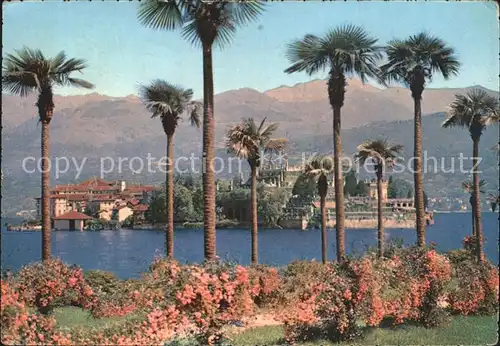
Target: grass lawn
{"type": "Point", "coordinates": [73, 318]}
{"type": "Point", "coordinates": [472, 330]}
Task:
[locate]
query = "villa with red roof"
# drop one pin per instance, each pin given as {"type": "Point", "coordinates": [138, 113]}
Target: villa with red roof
{"type": "Point", "coordinates": [99, 196]}
{"type": "Point", "coordinates": [72, 220]}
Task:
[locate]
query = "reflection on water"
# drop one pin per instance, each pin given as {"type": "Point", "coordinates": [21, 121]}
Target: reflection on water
{"type": "Point", "coordinates": [127, 253]}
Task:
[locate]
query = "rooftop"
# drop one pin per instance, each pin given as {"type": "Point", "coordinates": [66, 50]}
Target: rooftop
{"type": "Point", "coordinates": [73, 215]}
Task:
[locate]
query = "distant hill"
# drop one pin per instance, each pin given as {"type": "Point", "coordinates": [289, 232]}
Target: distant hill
{"type": "Point", "coordinates": [96, 126]}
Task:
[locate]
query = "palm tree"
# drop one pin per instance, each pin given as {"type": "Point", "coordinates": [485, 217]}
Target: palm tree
{"type": "Point", "coordinates": [30, 71]}
{"type": "Point", "coordinates": [382, 155]}
{"type": "Point", "coordinates": [321, 167]}
{"type": "Point", "coordinates": [468, 186]}
{"type": "Point", "coordinates": [248, 140]}
{"type": "Point", "coordinates": [169, 102]}
{"type": "Point", "coordinates": [474, 111]}
{"type": "Point", "coordinates": [412, 62]}
{"type": "Point", "coordinates": [344, 51]}
{"type": "Point", "coordinates": [494, 201]}
{"type": "Point", "coordinates": [205, 22]}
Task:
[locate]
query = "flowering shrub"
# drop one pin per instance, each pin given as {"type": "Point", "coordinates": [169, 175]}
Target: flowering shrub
{"type": "Point", "coordinates": [324, 307]}
{"type": "Point", "coordinates": [421, 277]}
{"type": "Point", "coordinates": [474, 287]}
{"type": "Point", "coordinates": [311, 299]}
{"type": "Point", "coordinates": [210, 299]}
{"type": "Point", "coordinates": [266, 285]}
{"type": "Point", "coordinates": [19, 326]}
{"type": "Point", "coordinates": [52, 283]}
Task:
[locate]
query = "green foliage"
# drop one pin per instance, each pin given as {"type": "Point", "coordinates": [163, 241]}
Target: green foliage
{"type": "Point", "coordinates": [351, 183]}
{"type": "Point", "coordinates": [270, 205]}
{"type": "Point", "coordinates": [305, 189]}
{"type": "Point", "coordinates": [170, 102]}
{"type": "Point", "coordinates": [399, 188]}
{"type": "Point", "coordinates": [183, 202]}
{"type": "Point", "coordinates": [102, 282]}
{"type": "Point", "coordinates": [157, 211]}
{"type": "Point", "coordinates": [346, 49]}
{"type": "Point", "coordinates": [361, 189]}
{"type": "Point", "coordinates": [129, 221]}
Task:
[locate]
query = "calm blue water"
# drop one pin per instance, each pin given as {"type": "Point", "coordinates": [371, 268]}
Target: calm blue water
{"type": "Point", "coordinates": [127, 253]}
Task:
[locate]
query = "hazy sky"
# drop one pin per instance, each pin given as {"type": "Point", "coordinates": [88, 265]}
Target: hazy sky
{"type": "Point", "coordinates": [121, 54]}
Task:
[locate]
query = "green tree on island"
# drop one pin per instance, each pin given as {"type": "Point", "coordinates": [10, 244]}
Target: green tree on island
{"type": "Point", "coordinates": [468, 186]}
{"type": "Point", "coordinates": [206, 23]}
{"type": "Point", "coordinates": [344, 51]}
{"type": "Point", "coordinates": [30, 71]}
{"type": "Point", "coordinates": [412, 62]}
{"type": "Point", "coordinates": [474, 111]}
{"type": "Point", "coordinates": [320, 167]}
{"type": "Point", "coordinates": [399, 188]}
{"type": "Point", "coordinates": [351, 182]}
{"type": "Point", "coordinates": [383, 155]}
{"type": "Point", "coordinates": [248, 140]}
{"type": "Point", "coordinates": [169, 103]}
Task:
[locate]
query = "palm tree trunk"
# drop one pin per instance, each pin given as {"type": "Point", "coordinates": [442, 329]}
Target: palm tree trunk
{"type": "Point", "coordinates": [323, 229]}
{"type": "Point", "coordinates": [380, 228]}
{"type": "Point", "coordinates": [253, 211]}
{"type": "Point", "coordinates": [472, 205]}
{"type": "Point", "coordinates": [322, 191]}
{"type": "Point", "coordinates": [208, 155]}
{"type": "Point", "coordinates": [169, 184]}
{"type": "Point", "coordinates": [46, 222]}
{"type": "Point", "coordinates": [339, 188]}
{"type": "Point", "coordinates": [477, 202]}
{"type": "Point", "coordinates": [418, 175]}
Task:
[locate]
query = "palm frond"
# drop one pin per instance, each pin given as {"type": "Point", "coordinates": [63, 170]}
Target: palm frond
{"type": "Point", "coordinates": [319, 165]}
{"type": "Point", "coordinates": [378, 150]}
{"type": "Point", "coordinates": [468, 186]}
{"type": "Point", "coordinates": [346, 49]}
{"type": "Point", "coordinates": [307, 55]}
{"type": "Point", "coordinates": [422, 52]}
{"type": "Point", "coordinates": [199, 20]}
{"type": "Point", "coordinates": [20, 83]}
{"type": "Point", "coordinates": [164, 99]}
{"type": "Point", "coordinates": [246, 139]}
{"type": "Point", "coordinates": [156, 14]}
{"type": "Point", "coordinates": [196, 113]}
{"type": "Point", "coordinates": [276, 145]}
{"type": "Point", "coordinates": [474, 110]}
{"type": "Point", "coordinates": [28, 70]}
{"type": "Point", "coordinates": [60, 71]}
{"type": "Point", "coordinates": [77, 82]}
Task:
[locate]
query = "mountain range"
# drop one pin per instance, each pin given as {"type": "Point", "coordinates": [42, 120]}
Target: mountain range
{"type": "Point", "coordinates": [95, 126]}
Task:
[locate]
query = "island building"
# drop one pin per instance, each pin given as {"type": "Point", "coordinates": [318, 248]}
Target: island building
{"type": "Point", "coordinates": [361, 211]}
{"type": "Point", "coordinates": [107, 200]}
{"type": "Point", "coordinates": [72, 220]}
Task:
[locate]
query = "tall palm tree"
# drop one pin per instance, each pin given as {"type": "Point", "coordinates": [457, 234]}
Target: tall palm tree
{"type": "Point", "coordinates": [206, 23]}
{"type": "Point", "coordinates": [344, 51]}
{"type": "Point", "coordinates": [412, 62]}
{"type": "Point", "coordinates": [249, 141]}
{"type": "Point", "coordinates": [321, 167]}
{"type": "Point", "coordinates": [169, 102]}
{"type": "Point", "coordinates": [382, 155]}
{"type": "Point", "coordinates": [468, 186]}
{"type": "Point", "coordinates": [27, 71]}
{"type": "Point", "coordinates": [474, 111]}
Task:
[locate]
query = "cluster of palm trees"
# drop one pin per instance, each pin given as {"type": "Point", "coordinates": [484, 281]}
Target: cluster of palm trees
{"type": "Point", "coordinates": [345, 51]}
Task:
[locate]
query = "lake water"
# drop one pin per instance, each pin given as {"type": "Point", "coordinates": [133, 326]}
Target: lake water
{"type": "Point", "coordinates": [127, 253]}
